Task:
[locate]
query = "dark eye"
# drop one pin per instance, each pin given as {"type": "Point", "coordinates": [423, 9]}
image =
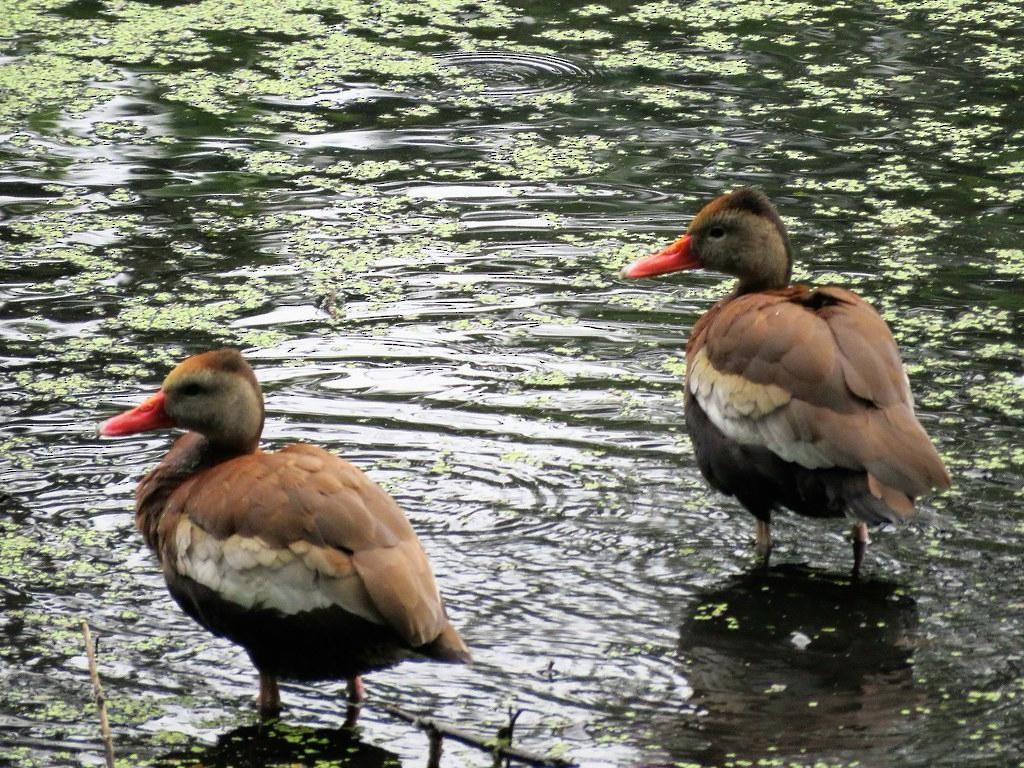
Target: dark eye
{"type": "Point", "coordinates": [191, 389]}
{"type": "Point", "coordinates": [716, 232]}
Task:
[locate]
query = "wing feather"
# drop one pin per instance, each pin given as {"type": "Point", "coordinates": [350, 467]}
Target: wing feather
{"type": "Point", "coordinates": [845, 400]}
{"type": "Point", "coordinates": [301, 529]}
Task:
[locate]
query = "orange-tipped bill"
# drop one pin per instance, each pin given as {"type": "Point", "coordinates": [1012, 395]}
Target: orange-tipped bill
{"type": "Point", "coordinates": [149, 414]}
{"type": "Point", "coordinates": [673, 258]}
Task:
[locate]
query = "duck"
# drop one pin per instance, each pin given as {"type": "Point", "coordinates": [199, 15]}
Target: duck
{"type": "Point", "coordinates": [295, 555]}
{"type": "Point", "coordinates": [795, 395]}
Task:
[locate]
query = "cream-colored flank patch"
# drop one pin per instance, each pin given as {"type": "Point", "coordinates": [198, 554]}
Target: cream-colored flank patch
{"type": "Point", "coordinates": [754, 414]}
{"type": "Point", "coordinates": [733, 396]}
{"type": "Point", "coordinates": [251, 574]}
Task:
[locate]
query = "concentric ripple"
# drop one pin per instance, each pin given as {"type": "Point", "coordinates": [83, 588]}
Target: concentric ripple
{"type": "Point", "coordinates": [515, 74]}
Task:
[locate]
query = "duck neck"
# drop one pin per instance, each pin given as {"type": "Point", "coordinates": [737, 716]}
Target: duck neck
{"type": "Point", "coordinates": [235, 427]}
{"type": "Point", "coordinates": [762, 282]}
{"type": "Point", "coordinates": [191, 454]}
{"type": "Point", "coordinates": [766, 264]}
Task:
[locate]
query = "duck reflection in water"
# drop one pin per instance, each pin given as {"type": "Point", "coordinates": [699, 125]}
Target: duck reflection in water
{"type": "Point", "coordinates": [791, 661]}
{"type": "Point", "coordinates": [278, 744]}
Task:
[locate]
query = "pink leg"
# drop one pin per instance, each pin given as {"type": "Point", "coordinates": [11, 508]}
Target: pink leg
{"type": "Point", "coordinates": [356, 691]}
{"type": "Point", "coordinates": [270, 697]}
{"type": "Point", "coordinates": [356, 694]}
{"type": "Point", "coordinates": [860, 543]}
{"type": "Point", "coordinates": [763, 547]}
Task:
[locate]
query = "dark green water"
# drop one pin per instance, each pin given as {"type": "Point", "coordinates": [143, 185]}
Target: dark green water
{"type": "Point", "coordinates": [411, 216]}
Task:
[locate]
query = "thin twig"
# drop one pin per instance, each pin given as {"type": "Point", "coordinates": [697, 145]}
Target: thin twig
{"type": "Point", "coordinates": [505, 735]}
{"type": "Point", "coordinates": [465, 737]}
{"type": "Point", "coordinates": [436, 747]}
{"type": "Point", "coordinates": [52, 745]}
{"type": "Point", "coordinates": [97, 695]}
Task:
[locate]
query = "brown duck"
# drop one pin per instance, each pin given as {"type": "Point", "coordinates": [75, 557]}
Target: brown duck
{"type": "Point", "coordinates": [795, 395]}
{"type": "Point", "coordinates": [295, 555]}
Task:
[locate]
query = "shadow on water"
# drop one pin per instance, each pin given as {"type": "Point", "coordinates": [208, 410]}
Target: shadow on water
{"type": "Point", "coordinates": [278, 744]}
{"type": "Point", "coordinates": [790, 660]}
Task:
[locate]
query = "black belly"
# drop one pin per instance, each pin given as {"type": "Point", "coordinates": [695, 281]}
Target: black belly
{"type": "Point", "coordinates": [322, 644]}
{"type": "Point", "coordinates": [762, 481]}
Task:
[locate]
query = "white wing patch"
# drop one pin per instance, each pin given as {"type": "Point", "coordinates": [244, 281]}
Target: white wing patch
{"type": "Point", "coordinates": [754, 414]}
{"type": "Point", "coordinates": [251, 574]}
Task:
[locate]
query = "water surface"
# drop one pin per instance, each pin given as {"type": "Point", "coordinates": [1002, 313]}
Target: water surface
{"type": "Point", "coordinates": [411, 217]}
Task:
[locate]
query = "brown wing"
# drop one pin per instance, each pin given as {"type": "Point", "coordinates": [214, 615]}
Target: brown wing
{"type": "Point", "coordinates": [300, 529]}
{"type": "Point", "coordinates": [815, 376]}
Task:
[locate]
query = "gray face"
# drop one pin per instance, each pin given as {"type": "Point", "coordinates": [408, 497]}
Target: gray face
{"type": "Point", "coordinates": [745, 245]}
{"type": "Point", "coordinates": [720, 242]}
{"type": "Point", "coordinates": [221, 405]}
{"type": "Point", "coordinates": [193, 399]}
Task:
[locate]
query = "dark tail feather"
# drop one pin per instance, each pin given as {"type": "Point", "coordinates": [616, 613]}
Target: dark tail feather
{"type": "Point", "coordinates": [836, 492]}
{"type": "Point", "coordinates": [448, 646]}
{"type": "Point", "coordinates": [875, 503]}
{"type": "Point", "coordinates": [872, 511]}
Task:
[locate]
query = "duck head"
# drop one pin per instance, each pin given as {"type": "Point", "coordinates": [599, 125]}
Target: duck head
{"type": "Point", "coordinates": [739, 234]}
{"type": "Point", "coordinates": [214, 393]}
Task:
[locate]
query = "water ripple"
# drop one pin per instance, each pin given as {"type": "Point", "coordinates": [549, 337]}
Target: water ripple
{"type": "Point", "coordinates": [505, 73]}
